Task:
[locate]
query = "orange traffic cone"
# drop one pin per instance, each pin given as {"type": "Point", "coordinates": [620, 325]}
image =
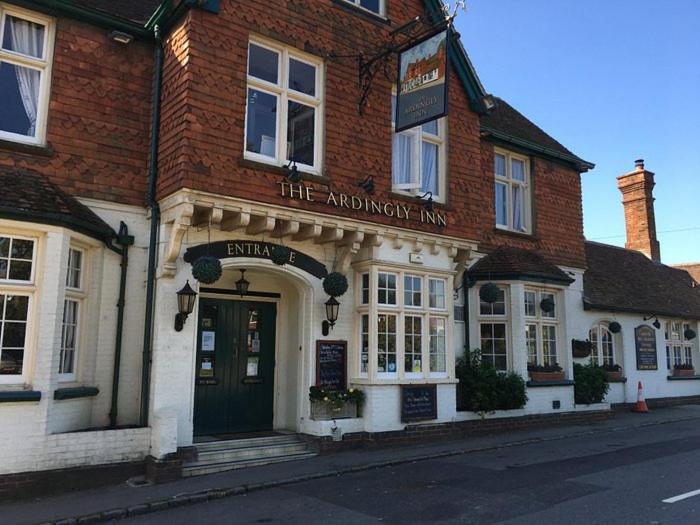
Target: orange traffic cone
{"type": "Point", "coordinates": [641, 405]}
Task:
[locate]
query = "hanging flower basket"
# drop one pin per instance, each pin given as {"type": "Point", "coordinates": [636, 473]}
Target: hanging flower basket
{"type": "Point", "coordinates": [335, 284]}
{"type": "Point", "coordinates": [547, 305]}
{"type": "Point", "coordinates": [580, 348]}
{"type": "Point", "coordinates": [280, 254]}
{"type": "Point", "coordinates": [207, 269]}
{"type": "Point", "coordinates": [489, 293]}
{"type": "Point", "coordinates": [615, 327]}
{"type": "Point", "coordinates": [689, 334]}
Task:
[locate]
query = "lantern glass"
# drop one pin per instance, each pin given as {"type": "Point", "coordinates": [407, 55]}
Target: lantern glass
{"type": "Point", "coordinates": [242, 285]}
{"type": "Point", "coordinates": [332, 308]}
{"type": "Point", "coordinates": [185, 299]}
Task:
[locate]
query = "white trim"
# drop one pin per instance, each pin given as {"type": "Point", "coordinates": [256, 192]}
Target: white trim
{"type": "Point", "coordinates": [508, 181]}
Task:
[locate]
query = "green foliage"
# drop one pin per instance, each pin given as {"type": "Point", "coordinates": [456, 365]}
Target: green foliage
{"type": "Point", "coordinates": [337, 398]}
{"type": "Point", "coordinates": [207, 269]}
{"type": "Point", "coordinates": [544, 368]}
{"type": "Point", "coordinates": [482, 388]}
{"type": "Point", "coordinates": [280, 254]}
{"type": "Point", "coordinates": [335, 284]}
{"type": "Point", "coordinates": [489, 293]}
{"type": "Point", "coordinates": [591, 384]}
{"type": "Point", "coordinates": [547, 304]}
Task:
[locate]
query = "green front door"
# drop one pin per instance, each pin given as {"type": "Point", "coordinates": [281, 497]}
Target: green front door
{"type": "Point", "coordinates": [235, 366]}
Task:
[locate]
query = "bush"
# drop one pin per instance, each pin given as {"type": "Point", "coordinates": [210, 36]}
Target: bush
{"type": "Point", "coordinates": [482, 388]}
{"type": "Point", "coordinates": [591, 384]}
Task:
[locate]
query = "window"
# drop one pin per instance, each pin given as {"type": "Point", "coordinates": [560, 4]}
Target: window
{"type": "Point", "coordinates": [16, 278]}
{"type": "Point", "coordinates": [365, 288]}
{"type": "Point", "coordinates": [603, 344]}
{"type": "Point", "coordinates": [413, 347]}
{"type": "Point", "coordinates": [418, 159]}
{"type": "Point", "coordinates": [72, 304]}
{"type": "Point", "coordinates": [512, 191]}
{"type": "Point", "coordinates": [436, 293]}
{"type": "Point", "coordinates": [386, 343]}
{"type": "Point", "coordinates": [364, 345]}
{"type": "Point", "coordinates": [541, 328]}
{"type": "Point", "coordinates": [493, 328]}
{"type": "Point", "coordinates": [387, 288]}
{"type": "Point", "coordinates": [375, 6]}
{"type": "Point", "coordinates": [437, 345]}
{"type": "Point", "coordinates": [284, 110]}
{"type": "Point", "coordinates": [412, 291]}
{"type": "Point", "coordinates": [25, 58]}
{"type": "Point", "coordinates": [679, 350]}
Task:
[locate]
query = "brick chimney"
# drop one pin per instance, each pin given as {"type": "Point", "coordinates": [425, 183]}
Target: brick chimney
{"type": "Point", "coordinates": [637, 197]}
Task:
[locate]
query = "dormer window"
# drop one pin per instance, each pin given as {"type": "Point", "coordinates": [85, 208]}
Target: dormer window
{"type": "Point", "coordinates": [512, 192]}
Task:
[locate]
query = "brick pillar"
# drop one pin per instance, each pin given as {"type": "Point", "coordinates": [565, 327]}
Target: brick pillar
{"type": "Point", "coordinates": [637, 197]}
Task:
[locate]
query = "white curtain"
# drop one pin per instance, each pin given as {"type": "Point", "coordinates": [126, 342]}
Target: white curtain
{"type": "Point", "coordinates": [28, 39]}
{"type": "Point", "coordinates": [429, 168]}
{"type": "Point", "coordinates": [401, 161]}
{"type": "Point", "coordinates": [518, 208]}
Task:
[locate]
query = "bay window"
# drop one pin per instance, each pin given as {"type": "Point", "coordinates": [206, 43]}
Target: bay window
{"type": "Point", "coordinates": [679, 349]}
{"type": "Point", "coordinates": [512, 192]}
{"type": "Point", "coordinates": [26, 41]}
{"type": "Point", "coordinates": [72, 306]}
{"type": "Point", "coordinates": [284, 114]}
{"type": "Point", "coordinates": [493, 330]}
{"type": "Point", "coordinates": [541, 327]}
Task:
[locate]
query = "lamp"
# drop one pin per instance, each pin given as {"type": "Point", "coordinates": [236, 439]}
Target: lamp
{"type": "Point", "coordinates": [656, 324]}
{"type": "Point", "coordinates": [121, 37]}
{"type": "Point", "coordinates": [332, 307]}
{"type": "Point", "coordinates": [427, 204]}
{"type": "Point", "coordinates": [367, 185]}
{"type": "Point", "coordinates": [293, 174]}
{"type": "Point", "coordinates": [185, 304]}
{"type": "Point", "coordinates": [242, 285]}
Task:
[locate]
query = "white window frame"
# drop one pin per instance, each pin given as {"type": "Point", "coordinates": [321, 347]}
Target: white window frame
{"type": "Point", "coordinates": [599, 329]}
{"type": "Point", "coordinates": [25, 289]}
{"type": "Point", "coordinates": [509, 182]}
{"type": "Point", "coordinates": [285, 95]}
{"type": "Point", "coordinates": [43, 65]}
{"type": "Point", "coordinates": [678, 348]}
{"type": "Point", "coordinates": [493, 319]}
{"type": "Point", "coordinates": [382, 7]}
{"type": "Point", "coordinates": [418, 136]}
{"type": "Point", "coordinates": [540, 320]}
{"type": "Point", "coordinates": [76, 295]}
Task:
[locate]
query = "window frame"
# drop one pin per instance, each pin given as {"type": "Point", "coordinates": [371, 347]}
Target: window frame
{"type": "Point", "coordinates": [284, 94]}
{"type": "Point", "coordinates": [44, 65]}
{"type": "Point", "coordinates": [679, 350]}
{"type": "Point", "coordinates": [493, 319]}
{"type": "Point", "coordinates": [509, 182]}
{"type": "Point", "coordinates": [540, 321]}
{"type": "Point", "coordinates": [357, 5]}
{"type": "Point", "coordinates": [599, 329]}
{"type": "Point", "coordinates": [76, 295]}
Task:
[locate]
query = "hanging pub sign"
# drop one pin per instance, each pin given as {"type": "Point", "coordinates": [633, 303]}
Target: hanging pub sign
{"type": "Point", "coordinates": [645, 343]}
{"type": "Point", "coordinates": [421, 94]}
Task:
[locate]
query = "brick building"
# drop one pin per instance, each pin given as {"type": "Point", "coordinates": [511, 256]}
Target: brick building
{"type": "Point", "coordinates": [137, 138]}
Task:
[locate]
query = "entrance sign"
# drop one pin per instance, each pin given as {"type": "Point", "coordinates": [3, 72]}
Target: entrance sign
{"type": "Point", "coordinates": [418, 402]}
{"type": "Point", "coordinates": [645, 343]}
{"type": "Point", "coordinates": [257, 250]}
{"type": "Point", "coordinates": [422, 90]}
{"type": "Point", "coordinates": [331, 365]}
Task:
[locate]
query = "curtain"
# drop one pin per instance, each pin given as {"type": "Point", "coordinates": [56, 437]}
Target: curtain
{"type": "Point", "coordinates": [518, 208]}
{"type": "Point", "coordinates": [401, 161]}
{"type": "Point", "coordinates": [28, 39]}
{"type": "Point", "coordinates": [429, 168]}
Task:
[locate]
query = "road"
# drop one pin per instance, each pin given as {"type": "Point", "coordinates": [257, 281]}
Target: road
{"type": "Point", "coordinates": [619, 477]}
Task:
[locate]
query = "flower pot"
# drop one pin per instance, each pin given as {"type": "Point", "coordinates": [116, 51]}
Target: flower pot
{"type": "Point", "coordinates": [321, 411]}
{"type": "Point", "coordinates": [540, 377]}
{"type": "Point", "coordinates": [614, 376]}
{"type": "Point", "coordinates": [679, 372]}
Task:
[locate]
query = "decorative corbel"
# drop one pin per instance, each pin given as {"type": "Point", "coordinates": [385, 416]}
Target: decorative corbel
{"type": "Point", "coordinates": [235, 220]}
{"type": "Point", "coordinates": [461, 257]}
{"type": "Point", "coordinates": [260, 224]}
{"type": "Point", "coordinates": [183, 220]}
{"type": "Point", "coordinates": [308, 231]}
{"type": "Point", "coordinates": [330, 234]}
{"type": "Point", "coordinates": [348, 246]}
{"type": "Point", "coordinates": [285, 228]}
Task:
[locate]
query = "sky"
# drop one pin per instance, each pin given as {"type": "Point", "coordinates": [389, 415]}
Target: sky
{"type": "Point", "coordinates": [613, 81]}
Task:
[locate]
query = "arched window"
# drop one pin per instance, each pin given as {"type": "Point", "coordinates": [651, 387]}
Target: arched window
{"type": "Point", "coordinates": [603, 351]}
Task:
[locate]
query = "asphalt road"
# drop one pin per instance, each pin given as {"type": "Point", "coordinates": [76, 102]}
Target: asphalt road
{"type": "Point", "coordinates": [620, 477]}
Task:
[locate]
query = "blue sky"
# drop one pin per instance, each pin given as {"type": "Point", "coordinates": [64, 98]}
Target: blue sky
{"type": "Point", "coordinates": [612, 80]}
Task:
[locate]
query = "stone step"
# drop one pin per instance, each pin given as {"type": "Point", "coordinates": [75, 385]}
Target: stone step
{"type": "Point", "coordinates": [195, 469]}
{"type": "Point", "coordinates": [231, 444]}
{"type": "Point", "coordinates": [235, 454]}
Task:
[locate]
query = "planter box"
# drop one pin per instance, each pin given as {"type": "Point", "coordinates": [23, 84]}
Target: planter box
{"type": "Point", "coordinates": [679, 372]}
{"type": "Point", "coordinates": [580, 349]}
{"type": "Point", "coordinates": [542, 377]}
{"type": "Point", "coordinates": [614, 376]}
{"type": "Point", "coordinates": [321, 411]}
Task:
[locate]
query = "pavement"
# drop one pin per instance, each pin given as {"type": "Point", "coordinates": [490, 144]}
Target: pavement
{"type": "Point", "coordinates": [168, 503]}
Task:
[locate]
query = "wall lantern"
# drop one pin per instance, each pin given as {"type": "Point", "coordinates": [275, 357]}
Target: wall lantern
{"type": "Point", "coordinates": [242, 285]}
{"type": "Point", "coordinates": [656, 324]}
{"type": "Point", "coordinates": [185, 305]}
{"type": "Point", "coordinates": [121, 37]}
{"type": "Point", "coordinates": [332, 307]}
{"type": "Point", "coordinates": [293, 174]}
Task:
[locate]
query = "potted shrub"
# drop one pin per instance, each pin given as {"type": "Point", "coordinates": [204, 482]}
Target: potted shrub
{"type": "Point", "coordinates": [581, 348]}
{"type": "Point", "coordinates": [684, 370]}
{"type": "Point", "coordinates": [613, 372]}
{"type": "Point", "coordinates": [540, 373]}
{"type": "Point", "coordinates": [327, 405]}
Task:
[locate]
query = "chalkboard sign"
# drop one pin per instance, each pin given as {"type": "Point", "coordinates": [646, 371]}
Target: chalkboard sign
{"type": "Point", "coordinates": [418, 402]}
{"type": "Point", "coordinates": [331, 365]}
{"type": "Point", "coordinates": [645, 343]}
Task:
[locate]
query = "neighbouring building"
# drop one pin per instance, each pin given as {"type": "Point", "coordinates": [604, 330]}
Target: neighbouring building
{"type": "Point", "coordinates": [138, 138]}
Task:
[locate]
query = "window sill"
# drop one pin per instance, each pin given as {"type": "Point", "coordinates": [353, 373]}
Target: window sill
{"type": "Point", "coordinates": [683, 378]}
{"type": "Point", "coordinates": [75, 392]}
{"type": "Point", "coordinates": [364, 13]}
{"type": "Point", "coordinates": [282, 171]}
{"type": "Point", "coordinates": [520, 235]}
{"type": "Point", "coordinates": [621, 380]}
{"type": "Point", "coordinates": [395, 195]}
{"type": "Point", "coordinates": [405, 381]}
{"type": "Point", "coordinates": [27, 149]}
{"type": "Point", "coordinates": [540, 384]}
{"type": "Point", "coordinates": [20, 396]}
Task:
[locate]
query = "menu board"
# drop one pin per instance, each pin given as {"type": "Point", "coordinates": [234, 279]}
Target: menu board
{"type": "Point", "coordinates": [331, 359]}
{"type": "Point", "coordinates": [645, 343]}
{"type": "Point", "coordinates": [418, 402]}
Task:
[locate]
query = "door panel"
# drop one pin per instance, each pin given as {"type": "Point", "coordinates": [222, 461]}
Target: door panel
{"type": "Point", "coordinates": [234, 367]}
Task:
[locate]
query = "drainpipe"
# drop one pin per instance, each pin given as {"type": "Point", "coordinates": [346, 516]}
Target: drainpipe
{"type": "Point", "coordinates": [153, 240]}
{"type": "Point", "coordinates": [125, 240]}
{"type": "Point", "coordinates": [466, 285]}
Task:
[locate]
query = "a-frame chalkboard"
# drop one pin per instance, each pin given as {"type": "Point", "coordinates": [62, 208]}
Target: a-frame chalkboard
{"type": "Point", "coordinates": [331, 365]}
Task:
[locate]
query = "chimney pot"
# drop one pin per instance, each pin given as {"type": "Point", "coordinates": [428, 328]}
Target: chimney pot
{"type": "Point", "coordinates": [639, 164]}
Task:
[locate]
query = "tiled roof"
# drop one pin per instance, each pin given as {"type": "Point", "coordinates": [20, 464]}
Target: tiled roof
{"type": "Point", "coordinates": [517, 263]}
{"type": "Point", "coordinates": [627, 281]}
{"type": "Point", "coordinates": [30, 196]}
{"type": "Point", "coordinates": [504, 119]}
{"type": "Point", "coordinates": [134, 10]}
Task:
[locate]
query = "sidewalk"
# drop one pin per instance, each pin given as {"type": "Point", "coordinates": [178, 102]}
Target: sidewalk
{"type": "Point", "coordinates": [104, 504]}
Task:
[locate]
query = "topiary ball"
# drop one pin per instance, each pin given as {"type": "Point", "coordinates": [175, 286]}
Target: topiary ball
{"type": "Point", "coordinates": [615, 327]}
{"type": "Point", "coordinates": [280, 254]}
{"type": "Point", "coordinates": [489, 293]}
{"type": "Point", "coordinates": [689, 334]}
{"type": "Point", "coordinates": [207, 269]}
{"type": "Point", "coordinates": [547, 304]}
{"type": "Point", "coordinates": [335, 284]}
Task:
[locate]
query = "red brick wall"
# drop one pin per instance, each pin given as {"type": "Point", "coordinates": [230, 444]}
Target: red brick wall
{"type": "Point", "coordinates": [99, 116]}
{"type": "Point", "coordinates": [204, 116]}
